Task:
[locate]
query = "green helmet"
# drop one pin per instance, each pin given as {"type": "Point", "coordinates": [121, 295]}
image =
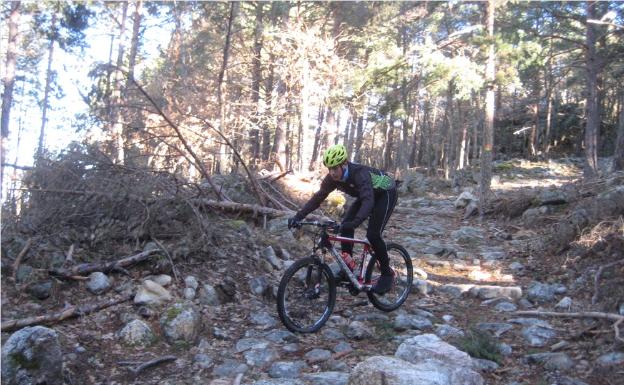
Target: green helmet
{"type": "Point", "coordinates": [335, 156]}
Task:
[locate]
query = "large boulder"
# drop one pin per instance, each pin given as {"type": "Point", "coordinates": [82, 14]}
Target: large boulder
{"type": "Point", "coordinates": [378, 370]}
{"type": "Point", "coordinates": [31, 356]}
{"type": "Point", "coordinates": [420, 360]}
{"type": "Point", "coordinates": [427, 347]}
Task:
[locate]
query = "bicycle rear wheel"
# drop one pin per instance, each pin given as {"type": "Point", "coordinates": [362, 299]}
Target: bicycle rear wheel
{"type": "Point", "coordinates": [306, 296]}
{"type": "Point", "coordinates": [401, 264]}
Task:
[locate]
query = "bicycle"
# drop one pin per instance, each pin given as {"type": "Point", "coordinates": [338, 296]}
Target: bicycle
{"type": "Point", "coordinates": [307, 290]}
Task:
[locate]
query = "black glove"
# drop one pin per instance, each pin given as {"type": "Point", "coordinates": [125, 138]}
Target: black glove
{"type": "Point", "coordinates": [293, 222]}
{"type": "Point", "coordinates": [346, 226]}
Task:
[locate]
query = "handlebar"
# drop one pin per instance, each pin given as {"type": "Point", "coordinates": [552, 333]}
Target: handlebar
{"type": "Point", "coordinates": [331, 225]}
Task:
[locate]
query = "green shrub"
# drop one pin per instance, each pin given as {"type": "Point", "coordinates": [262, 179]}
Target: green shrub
{"type": "Point", "coordinates": [480, 344]}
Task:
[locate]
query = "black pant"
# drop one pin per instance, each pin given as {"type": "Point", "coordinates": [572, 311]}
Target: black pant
{"type": "Point", "coordinates": [382, 209]}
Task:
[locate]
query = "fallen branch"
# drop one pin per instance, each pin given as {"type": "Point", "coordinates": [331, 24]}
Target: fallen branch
{"type": "Point", "coordinates": [173, 266]}
{"type": "Point", "coordinates": [71, 312]}
{"type": "Point", "coordinates": [18, 260]}
{"type": "Point", "coordinates": [105, 267]}
{"type": "Point", "coordinates": [198, 161]}
{"type": "Point", "coordinates": [148, 364]}
{"type": "Point", "coordinates": [597, 279]}
{"type": "Point", "coordinates": [589, 314]}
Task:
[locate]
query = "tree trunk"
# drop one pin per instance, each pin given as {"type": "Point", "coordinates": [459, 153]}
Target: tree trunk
{"type": "Point", "coordinates": [534, 137]}
{"type": "Point", "coordinates": [449, 142]}
{"type": "Point", "coordinates": [389, 144]}
{"type": "Point", "coordinates": [134, 42]}
{"type": "Point", "coordinates": [488, 132]}
{"type": "Point", "coordinates": [48, 85]}
{"type": "Point", "coordinates": [9, 83]}
{"type": "Point", "coordinates": [461, 155]}
{"type": "Point", "coordinates": [477, 124]}
{"type": "Point", "coordinates": [116, 118]}
{"type": "Point", "coordinates": [592, 126]}
{"type": "Point", "coordinates": [224, 150]}
{"type": "Point", "coordinates": [256, 78]}
{"type": "Point", "coordinates": [618, 156]}
{"type": "Point", "coordinates": [317, 138]}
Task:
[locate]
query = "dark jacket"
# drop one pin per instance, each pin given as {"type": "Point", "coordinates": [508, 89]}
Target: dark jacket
{"type": "Point", "coordinates": [362, 182]}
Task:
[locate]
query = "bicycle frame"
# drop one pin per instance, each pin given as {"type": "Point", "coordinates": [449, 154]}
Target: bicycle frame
{"type": "Point", "coordinates": [325, 244]}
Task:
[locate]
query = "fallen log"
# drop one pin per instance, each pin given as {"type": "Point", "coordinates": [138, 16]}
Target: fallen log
{"type": "Point", "coordinates": [139, 368]}
{"type": "Point", "coordinates": [71, 312]}
{"type": "Point", "coordinates": [105, 267]}
{"type": "Point", "coordinates": [587, 314]}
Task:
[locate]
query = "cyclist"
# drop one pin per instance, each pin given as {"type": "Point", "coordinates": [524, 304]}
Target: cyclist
{"type": "Point", "coordinates": [376, 197]}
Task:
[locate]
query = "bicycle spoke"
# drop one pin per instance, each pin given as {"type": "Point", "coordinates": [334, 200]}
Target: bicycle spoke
{"type": "Point", "coordinates": [307, 297]}
{"type": "Point", "coordinates": [401, 287]}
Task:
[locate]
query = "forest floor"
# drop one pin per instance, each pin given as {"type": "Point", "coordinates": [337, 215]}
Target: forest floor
{"type": "Point", "coordinates": [498, 251]}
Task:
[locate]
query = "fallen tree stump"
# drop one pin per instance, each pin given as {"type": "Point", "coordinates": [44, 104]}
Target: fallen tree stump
{"type": "Point", "coordinates": [71, 312]}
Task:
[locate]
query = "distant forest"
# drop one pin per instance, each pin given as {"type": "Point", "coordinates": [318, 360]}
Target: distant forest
{"type": "Point", "coordinates": [269, 85]}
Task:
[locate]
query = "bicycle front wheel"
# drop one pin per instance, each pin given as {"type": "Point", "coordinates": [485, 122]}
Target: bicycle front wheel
{"type": "Point", "coordinates": [306, 296]}
{"type": "Point", "coordinates": [401, 264]}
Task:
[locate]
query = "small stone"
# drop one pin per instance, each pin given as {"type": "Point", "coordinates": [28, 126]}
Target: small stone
{"type": "Point", "coordinates": [40, 290]}
{"type": "Point", "coordinates": [208, 296]}
{"type": "Point", "coordinates": [263, 319]}
{"type": "Point", "coordinates": [261, 357]}
{"type": "Point", "coordinates": [230, 368]}
{"type": "Point", "coordinates": [504, 349]}
{"type": "Point", "coordinates": [220, 334]}
{"type": "Point", "coordinates": [151, 293]}
{"type": "Point", "coordinates": [259, 285]}
{"type": "Point", "coordinates": [285, 369]}
{"type": "Point", "coordinates": [250, 343]}
{"type": "Point", "coordinates": [357, 330]}
{"type": "Point", "coordinates": [24, 273]}
{"type": "Point", "coordinates": [317, 355]}
{"type": "Point", "coordinates": [484, 365]}
{"type": "Point", "coordinates": [611, 359]}
{"type": "Point", "coordinates": [496, 328]}
{"type": "Point", "coordinates": [342, 347]}
{"type": "Point", "coordinates": [506, 307]}
{"type": "Point", "coordinates": [137, 333]}
{"type": "Point", "coordinates": [516, 267]}
{"type": "Point", "coordinates": [161, 279]}
{"type": "Point", "coordinates": [98, 283]}
{"type": "Point", "coordinates": [191, 282]}
{"type": "Point", "coordinates": [444, 331]}
{"type": "Point", "coordinates": [203, 360]}
{"type": "Point", "coordinates": [189, 293]}
{"type": "Point", "coordinates": [565, 303]}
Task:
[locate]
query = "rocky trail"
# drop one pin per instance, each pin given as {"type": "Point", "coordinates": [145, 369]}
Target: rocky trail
{"type": "Point", "coordinates": [217, 322]}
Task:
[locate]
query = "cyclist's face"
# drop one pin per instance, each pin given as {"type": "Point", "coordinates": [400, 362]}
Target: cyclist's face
{"type": "Point", "coordinates": [336, 172]}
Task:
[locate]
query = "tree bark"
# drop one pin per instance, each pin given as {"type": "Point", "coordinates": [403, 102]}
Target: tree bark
{"type": "Point", "coordinates": [224, 151]}
{"type": "Point", "coordinates": [256, 78]}
{"type": "Point", "coordinates": [389, 144]}
{"type": "Point", "coordinates": [71, 312]}
{"type": "Point", "coordinates": [488, 132]}
{"type": "Point", "coordinates": [48, 86]}
{"type": "Point", "coordinates": [9, 83]}
{"type": "Point", "coordinates": [618, 156]}
{"type": "Point", "coordinates": [317, 138]}
{"type": "Point", "coordinates": [592, 126]}
{"type": "Point", "coordinates": [134, 42]}
{"type": "Point", "coordinates": [116, 118]}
